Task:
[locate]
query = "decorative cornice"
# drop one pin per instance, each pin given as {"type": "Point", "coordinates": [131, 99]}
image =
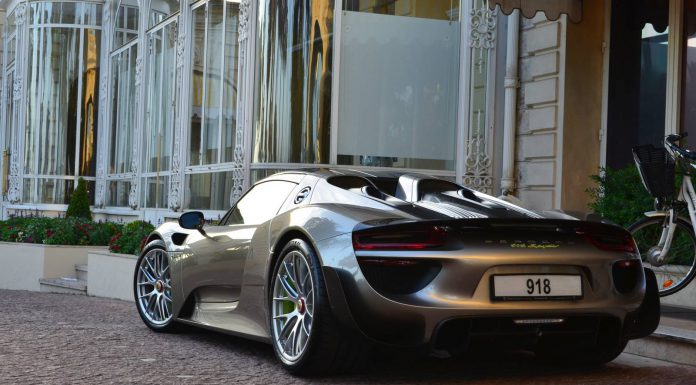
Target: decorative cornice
{"type": "Point", "coordinates": [483, 25]}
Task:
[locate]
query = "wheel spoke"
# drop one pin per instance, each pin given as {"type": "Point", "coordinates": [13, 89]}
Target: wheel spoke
{"type": "Point", "coordinates": [152, 269]}
{"type": "Point", "coordinates": [150, 278]}
{"type": "Point", "coordinates": [287, 287]}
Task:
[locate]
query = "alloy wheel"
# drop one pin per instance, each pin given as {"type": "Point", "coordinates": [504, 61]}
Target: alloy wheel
{"type": "Point", "coordinates": [293, 306]}
{"type": "Point", "coordinates": [154, 290]}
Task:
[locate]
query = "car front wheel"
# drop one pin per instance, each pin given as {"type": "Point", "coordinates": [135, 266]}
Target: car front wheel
{"type": "Point", "coordinates": [152, 287]}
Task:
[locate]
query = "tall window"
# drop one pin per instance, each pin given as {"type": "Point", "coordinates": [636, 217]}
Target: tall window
{"type": "Point", "coordinates": [399, 82]}
{"type": "Point", "coordinates": [123, 113]}
{"type": "Point", "coordinates": [637, 77]}
{"type": "Point", "coordinates": [213, 103]}
{"type": "Point", "coordinates": [159, 115]}
{"type": "Point", "coordinates": [688, 104]}
{"type": "Point", "coordinates": [8, 69]}
{"type": "Point", "coordinates": [293, 85]}
{"type": "Point", "coordinates": [62, 92]}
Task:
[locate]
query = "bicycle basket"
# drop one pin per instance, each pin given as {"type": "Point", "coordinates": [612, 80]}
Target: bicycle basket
{"type": "Point", "coordinates": [656, 168]}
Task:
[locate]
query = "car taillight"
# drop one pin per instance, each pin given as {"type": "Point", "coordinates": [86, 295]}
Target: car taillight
{"type": "Point", "coordinates": [409, 239]}
{"type": "Point", "coordinates": [626, 274]}
{"type": "Point", "coordinates": [614, 242]}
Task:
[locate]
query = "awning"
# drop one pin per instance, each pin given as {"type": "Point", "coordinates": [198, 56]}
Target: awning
{"type": "Point", "coordinates": [552, 8]}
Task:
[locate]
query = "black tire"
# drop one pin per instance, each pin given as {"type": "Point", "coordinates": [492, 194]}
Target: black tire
{"type": "Point", "coordinates": [680, 266]}
{"type": "Point", "coordinates": [329, 349]}
{"type": "Point", "coordinates": [170, 325]}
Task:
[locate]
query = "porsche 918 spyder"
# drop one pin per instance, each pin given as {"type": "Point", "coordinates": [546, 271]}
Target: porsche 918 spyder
{"type": "Point", "coordinates": [323, 264]}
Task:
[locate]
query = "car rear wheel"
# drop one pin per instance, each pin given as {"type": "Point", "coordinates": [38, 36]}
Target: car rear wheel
{"type": "Point", "coordinates": [307, 338]}
{"type": "Point", "coordinates": [152, 287]}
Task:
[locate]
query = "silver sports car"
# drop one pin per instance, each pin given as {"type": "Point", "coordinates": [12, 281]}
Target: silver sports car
{"type": "Point", "coordinates": [325, 264]}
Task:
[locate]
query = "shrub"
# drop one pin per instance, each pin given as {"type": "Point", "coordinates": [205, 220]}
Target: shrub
{"type": "Point", "coordinates": [79, 202]}
{"type": "Point", "coordinates": [132, 239]}
{"type": "Point", "coordinates": [620, 195]}
{"type": "Point", "coordinates": [102, 232]}
{"type": "Point", "coordinates": [60, 231]}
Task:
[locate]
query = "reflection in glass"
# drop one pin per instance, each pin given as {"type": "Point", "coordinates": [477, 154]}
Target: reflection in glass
{"type": "Point", "coordinates": [209, 191]}
{"type": "Point", "coordinates": [213, 72]}
{"type": "Point", "coordinates": [162, 9]}
{"type": "Point", "coordinates": [293, 85]}
{"type": "Point", "coordinates": [229, 84]}
{"type": "Point", "coordinates": [117, 194]}
{"type": "Point", "coordinates": [126, 28]}
{"type": "Point", "coordinates": [154, 191]}
{"type": "Point", "coordinates": [637, 78]}
{"type": "Point", "coordinates": [197, 83]}
{"type": "Point", "coordinates": [688, 104]}
{"type": "Point", "coordinates": [159, 128]}
{"type": "Point", "coordinates": [123, 110]}
{"type": "Point", "coordinates": [213, 83]}
{"type": "Point", "coordinates": [52, 108]}
{"type": "Point", "coordinates": [248, 211]}
{"type": "Point", "coordinates": [90, 102]}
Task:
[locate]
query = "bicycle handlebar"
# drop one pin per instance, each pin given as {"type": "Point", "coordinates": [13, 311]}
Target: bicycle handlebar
{"type": "Point", "coordinates": [670, 143]}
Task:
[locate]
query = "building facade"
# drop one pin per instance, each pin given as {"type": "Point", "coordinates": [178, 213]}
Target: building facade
{"type": "Point", "coordinates": [165, 106]}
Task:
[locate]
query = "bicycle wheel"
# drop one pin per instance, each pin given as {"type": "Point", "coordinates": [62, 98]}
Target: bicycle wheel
{"type": "Point", "coordinates": [678, 269]}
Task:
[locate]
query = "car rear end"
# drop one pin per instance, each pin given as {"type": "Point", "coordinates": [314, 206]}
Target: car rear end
{"type": "Point", "coordinates": [527, 283]}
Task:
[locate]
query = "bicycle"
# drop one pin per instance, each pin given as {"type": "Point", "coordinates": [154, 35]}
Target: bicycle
{"type": "Point", "coordinates": [665, 237]}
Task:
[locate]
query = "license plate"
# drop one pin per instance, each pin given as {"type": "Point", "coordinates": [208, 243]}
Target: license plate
{"type": "Point", "coordinates": [536, 286]}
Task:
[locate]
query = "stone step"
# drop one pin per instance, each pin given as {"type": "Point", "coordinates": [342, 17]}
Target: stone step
{"type": "Point", "coordinates": [667, 344]}
{"type": "Point", "coordinates": [63, 285]}
{"type": "Point", "coordinates": [81, 271]}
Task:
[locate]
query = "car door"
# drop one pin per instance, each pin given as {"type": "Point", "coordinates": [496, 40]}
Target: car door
{"type": "Point", "coordinates": [216, 266]}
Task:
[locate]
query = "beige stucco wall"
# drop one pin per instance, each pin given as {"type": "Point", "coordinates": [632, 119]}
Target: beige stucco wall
{"type": "Point", "coordinates": [542, 46]}
{"type": "Point", "coordinates": [23, 264]}
{"type": "Point", "coordinates": [111, 275]}
{"type": "Point", "coordinates": [583, 105]}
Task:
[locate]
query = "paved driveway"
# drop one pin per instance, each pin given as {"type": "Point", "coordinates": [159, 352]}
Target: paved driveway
{"type": "Point", "coordinates": [64, 339]}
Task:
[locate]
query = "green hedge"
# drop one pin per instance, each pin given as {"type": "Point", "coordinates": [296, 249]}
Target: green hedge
{"type": "Point", "coordinates": [126, 239]}
{"type": "Point", "coordinates": [619, 195]}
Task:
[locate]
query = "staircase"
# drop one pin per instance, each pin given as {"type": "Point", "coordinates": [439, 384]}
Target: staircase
{"type": "Point", "coordinates": [67, 285]}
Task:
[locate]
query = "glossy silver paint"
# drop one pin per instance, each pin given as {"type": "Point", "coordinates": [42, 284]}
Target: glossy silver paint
{"type": "Point", "coordinates": [220, 279]}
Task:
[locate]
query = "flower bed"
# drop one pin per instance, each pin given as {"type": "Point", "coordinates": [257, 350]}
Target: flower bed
{"type": "Point", "coordinates": [127, 239]}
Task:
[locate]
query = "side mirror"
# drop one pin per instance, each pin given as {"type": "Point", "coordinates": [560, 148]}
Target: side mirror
{"type": "Point", "coordinates": [192, 220]}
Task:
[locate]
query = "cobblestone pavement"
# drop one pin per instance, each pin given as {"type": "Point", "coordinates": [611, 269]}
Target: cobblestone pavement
{"type": "Point", "coordinates": [63, 339]}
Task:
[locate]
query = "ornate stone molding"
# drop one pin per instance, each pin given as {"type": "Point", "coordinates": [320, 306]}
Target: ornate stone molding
{"type": "Point", "coordinates": [133, 194]}
{"type": "Point", "coordinates": [180, 50]}
{"type": "Point", "coordinates": [138, 71]}
{"type": "Point", "coordinates": [20, 14]}
{"type": "Point", "coordinates": [238, 171]}
{"type": "Point", "coordinates": [17, 88]}
{"type": "Point", "coordinates": [243, 29]}
{"type": "Point", "coordinates": [483, 25]}
{"type": "Point", "coordinates": [14, 190]}
{"type": "Point", "coordinates": [174, 197]}
{"type": "Point", "coordinates": [477, 169]}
